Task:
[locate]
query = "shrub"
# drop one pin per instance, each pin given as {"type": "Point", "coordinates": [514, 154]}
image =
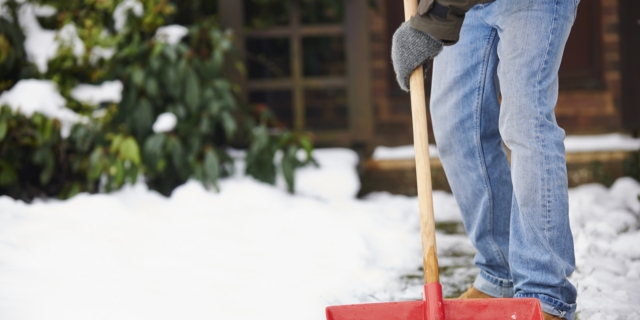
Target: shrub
{"type": "Point", "coordinates": [188, 82]}
{"type": "Point", "coordinates": [267, 142]}
{"type": "Point", "coordinates": [631, 165]}
{"type": "Point", "coordinates": [37, 162]}
{"type": "Point", "coordinates": [13, 58]}
{"type": "Point", "coordinates": [185, 79]}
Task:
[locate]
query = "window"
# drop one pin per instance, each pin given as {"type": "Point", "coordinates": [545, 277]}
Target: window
{"type": "Point", "coordinates": [309, 63]}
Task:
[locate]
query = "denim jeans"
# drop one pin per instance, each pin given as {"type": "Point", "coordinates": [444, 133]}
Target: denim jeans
{"type": "Point", "coordinates": [516, 216]}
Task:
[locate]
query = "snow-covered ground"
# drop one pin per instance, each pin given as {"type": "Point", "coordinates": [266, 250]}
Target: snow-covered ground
{"type": "Point", "coordinates": [253, 251]}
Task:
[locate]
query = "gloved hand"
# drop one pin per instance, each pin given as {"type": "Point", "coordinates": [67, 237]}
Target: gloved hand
{"type": "Point", "coordinates": [411, 48]}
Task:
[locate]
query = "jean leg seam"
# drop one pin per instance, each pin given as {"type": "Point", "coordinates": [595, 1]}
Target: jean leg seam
{"type": "Point", "coordinates": [546, 193]}
{"type": "Point", "coordinates": [550, 200]}
{"type": "Point", "coordinates": [485, 174]}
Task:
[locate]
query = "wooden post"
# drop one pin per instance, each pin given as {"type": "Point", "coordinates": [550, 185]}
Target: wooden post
{"type": "Point", "coordinates": [359, 71]}
{"type": "Point", "coordinates": [297, 69]}
{"type": "Point", "coordinates": [231, 13]}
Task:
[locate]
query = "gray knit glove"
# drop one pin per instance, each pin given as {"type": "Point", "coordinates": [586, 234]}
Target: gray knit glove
{"type": "Point", "coordinates": [411, 48]}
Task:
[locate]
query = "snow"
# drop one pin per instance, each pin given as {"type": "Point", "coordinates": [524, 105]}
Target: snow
{"type": "Point", "coordinates": [68, 36]}
{"type": "Point", "coordinates": [109, 91]}
{"type": "Point", "coordinates": [171, 34]}
{"type": "Point", "coordinates": [98, 53]}
{"type": "Point", "coordinates": [605, 226]}
{"type": "Point", "coordinates": [29, 96]}
{"type": "Point", "coordinates": [44, 11]}
{"type": "Point", "coordinates": [334, 179]}
{"type": "Point", "coordinates": [604, 142]}
{"type": "Point", "coordinates": [573, 144]}
{"type": "Point", "coordinates": [121, 11]}
{"type": "Point", "coordinates": [247, 252]}
{"type": "Point", "coordinates": [41, 44]}
{"type": "Point", "coordinates": [447, 208]}
{"type": "Point", "coordinates": [4, 12]}
{"type": "Point", "coordinates": [253, 251]}
{"type": "Point", "coordinates": [165, 122]}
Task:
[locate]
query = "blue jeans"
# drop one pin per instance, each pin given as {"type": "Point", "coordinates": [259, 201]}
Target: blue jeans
{"type": "Point", "coordinates": [516, 217]}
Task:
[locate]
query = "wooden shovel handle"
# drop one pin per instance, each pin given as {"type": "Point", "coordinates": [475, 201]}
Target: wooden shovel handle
{"type": "Point", "coordinates": [423, 167]}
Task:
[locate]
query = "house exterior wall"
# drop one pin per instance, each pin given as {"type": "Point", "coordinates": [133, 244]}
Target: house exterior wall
{"type": "Point", "coordinates": [594, 111]}
{"type": "Point", "coordinates": [578, 111]}
{"type": "Point", "coordinates": [611, 46]}
{"type": "Point", "coordinates": [392, 110]}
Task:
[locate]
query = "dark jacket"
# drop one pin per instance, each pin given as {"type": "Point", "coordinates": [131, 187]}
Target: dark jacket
{"type": "Point", "coordinates": [443, 18]}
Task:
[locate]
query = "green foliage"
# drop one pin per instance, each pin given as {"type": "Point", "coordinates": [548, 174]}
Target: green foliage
{"type": "Point", "coordinates": [267, 142]}
{"type": "Point", "coordinates": [631, 165]}
{"type": "Point", "coordinates": [186, 80]}
{"type": "Point", "coordinates": [37, 162]}
{"type": "Point", "coordinates": [13, 58]}
{"type": "Point", "coordinates": [95, 26]}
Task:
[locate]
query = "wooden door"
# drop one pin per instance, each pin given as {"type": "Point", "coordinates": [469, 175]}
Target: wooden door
{"type": "Point", "coordinates": [581, 66]}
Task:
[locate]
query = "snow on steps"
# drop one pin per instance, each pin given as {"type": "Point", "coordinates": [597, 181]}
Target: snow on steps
{"type": "Point", "coordinates": [594, 158]}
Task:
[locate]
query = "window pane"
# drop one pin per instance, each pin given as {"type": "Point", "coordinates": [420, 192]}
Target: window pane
{"type": "Point", "coordinates": [260, 14]}
{"type": "Point", "coordinates": [322, 11]}
{"type": "Point", "coordinates": [279, 102]}
{"type": "Point", "coordinates": [268, 58]}
{"type": "Point", "coordinates": [326, 109]}
{"type": "Point", "coordinates": [324, 56]}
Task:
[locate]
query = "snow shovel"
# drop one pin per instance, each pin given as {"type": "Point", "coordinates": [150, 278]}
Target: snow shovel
{"type": "Point", "coordinates": [433, 307]}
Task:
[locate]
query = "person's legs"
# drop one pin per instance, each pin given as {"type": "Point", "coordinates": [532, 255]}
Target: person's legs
{"type": "Point", "coordinates": [532, 35]}
{"type": "Point", "coordinates": [465, 112]}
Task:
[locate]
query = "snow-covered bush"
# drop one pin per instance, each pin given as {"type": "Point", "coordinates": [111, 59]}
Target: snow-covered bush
{"type": "Point", "coordinates": [186, 81]}
{"type": "Point", "coordinates": [175, 103]}
{"type": "Point", "coordinates": [14, 64]}
{"type": "Point", "coordinates": [38, 162]}
{"type": "Point", "coordinates": [185, 77]}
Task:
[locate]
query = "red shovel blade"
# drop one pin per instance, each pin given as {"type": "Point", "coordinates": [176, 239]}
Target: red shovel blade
{"type": "Point", "coordinates": [454, 309]}
{"type": "Point", "coordinates": [485, 309]}
{"type": "Point", "coordinates": [410, 310]}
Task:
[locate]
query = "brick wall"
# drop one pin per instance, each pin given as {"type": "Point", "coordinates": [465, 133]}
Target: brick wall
{"type": "Point", "coordinates": [596, 111]}
{"type": "Point", "coordinates": [392, 107]}
{"type": "Point", "coordinates": [578, 111]}
{"type": "Point", "coordinates": [611, 48]}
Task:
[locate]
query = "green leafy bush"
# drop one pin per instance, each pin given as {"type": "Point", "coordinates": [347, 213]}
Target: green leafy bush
{"type": "Point", "coordinates": [186, 79]}
{"type": "Point", "coordinates": [631, 165]}
{"type": "Point", "coordinates": [267, 142]}
{"type": "Point", "coordinates": [188, 82]}
{"type": "Point", "coordinates": [37, 162]}
{"type": "Point", "coordinates": [13, 58]}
